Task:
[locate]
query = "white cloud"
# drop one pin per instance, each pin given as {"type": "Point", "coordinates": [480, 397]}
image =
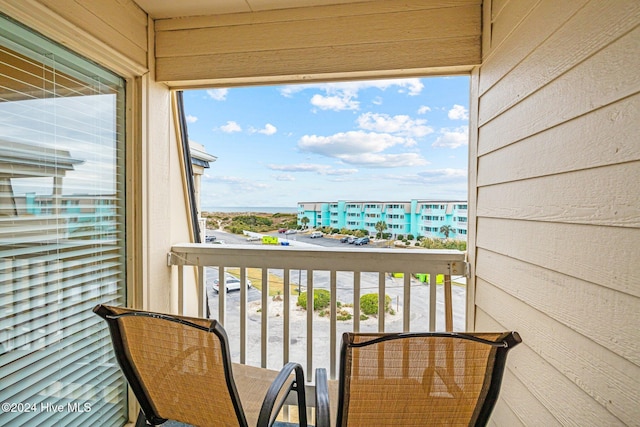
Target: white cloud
{"type": "Point", "coordinates": [362, 148]}
{"type": "Point", "coordinates": [446, 174]}
{"type": "Point", "coordinates": [269, 129]}
{"type": "Point", "coordinates": [458, 112]}
{"type": "Point", "coordinates": [335, 103]}
{"type": "Point", "coordinates": [432, 176]}
{"type": "Point", "coordinates": [342, 96]}
{"type": "Point", "coordinates": [379, 160]}
{"type": "Point", "coordinates": [300, 167]}
{"type": "Point", "coordinates": [401, 124]}
{"type": "Point", "coordinates": [231, 127]}
{"type": "Point", "coordinates": [340, 172]}
{"type": "Point", "coordinates": [191, 119]}
{"type": "Point", "coordinates": [412, 86]}
{"type": "Point", "coordinates": [352, 142]}
{"type": "Point", "coordinates": [284, 177]}
{"type": "Point", "coordinates": [452, 138]}
{"type": "Point", "coordinates": [312, 167]}
{"type": "Point", "coordinates": [424, 109]}
{"type": "Point", "coordinates": [218, 94]}
{"type": "Point", "coordinates": [242, 184]}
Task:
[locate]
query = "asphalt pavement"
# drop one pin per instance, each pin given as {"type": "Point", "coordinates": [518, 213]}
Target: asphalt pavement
{"type": "Point", "coordinates": [298, 330]}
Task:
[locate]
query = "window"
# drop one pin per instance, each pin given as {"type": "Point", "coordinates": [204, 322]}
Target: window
{"type": "Point", "coordinates": [62, 237]}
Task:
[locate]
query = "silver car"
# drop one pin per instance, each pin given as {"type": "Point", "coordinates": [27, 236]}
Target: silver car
{"type": "Point", "coordinates": [231, 283]}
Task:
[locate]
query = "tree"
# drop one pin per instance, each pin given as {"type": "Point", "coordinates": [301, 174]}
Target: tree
{"type": "Point", "coordinates": [446, 230]}
{"type": "Point", "coordinates": [380, 227]}
{"type": "Point", "coordinates": [304, 220]}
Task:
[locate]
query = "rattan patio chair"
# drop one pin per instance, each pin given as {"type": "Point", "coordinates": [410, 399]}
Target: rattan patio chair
{"type": "Point", "coordinates": [180, 369]}
{"type": "Point", "coordinates": [414, 379]}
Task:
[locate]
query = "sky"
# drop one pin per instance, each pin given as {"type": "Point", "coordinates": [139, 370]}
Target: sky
{"type": "Point", "coordinates": [382, 140]}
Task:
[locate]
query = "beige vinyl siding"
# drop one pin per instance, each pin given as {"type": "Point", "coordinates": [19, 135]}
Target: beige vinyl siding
{"type": "Point", "coordinates": [608, 201]}
{"type": "Point", "coordinates": [120, 24]}
{"type": "Point", "coordinates": [558, 207]}
{"type": "Point", "coordinates": [112, 33]}
{"type": "Point", "coordinates": [357, 40]}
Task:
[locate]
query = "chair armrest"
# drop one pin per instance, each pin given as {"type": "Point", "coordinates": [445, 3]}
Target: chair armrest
{"type": "Point", "coordinates": [267, 415]}
{"type": "Point", "coordinates": [323, 414]}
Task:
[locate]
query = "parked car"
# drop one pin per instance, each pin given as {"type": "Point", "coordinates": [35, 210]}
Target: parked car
{"type": "Point", "coordinates": [345, 239]}
{"type": "Point", "coordinates": [231, 283]}
{"type": "Point", "coordinates": [316, 234]}
{"type": "Point", "coordinates": [253, 238]}
{"type": "Point", "coordinates": [361, 241]}
{"type": "Point", "coordinates": [210, 239]}
{"type": "Point", "coordinates": [351, 240]}
{"type": "Point", "coordinates": [291, 231]}
{"type": "Point", "coordinates": [282, 230]}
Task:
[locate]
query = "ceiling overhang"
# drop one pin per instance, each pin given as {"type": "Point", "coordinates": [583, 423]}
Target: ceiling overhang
{"type": "Point", "coordinates": [243, 42]}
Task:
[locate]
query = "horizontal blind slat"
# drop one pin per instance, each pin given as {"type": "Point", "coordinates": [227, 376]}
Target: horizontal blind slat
{"type": "Point", "coordinates": [62, 230]}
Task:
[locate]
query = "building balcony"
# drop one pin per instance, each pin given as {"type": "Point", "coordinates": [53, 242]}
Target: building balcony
{"type": "Point", "coordinates": [267, 328]}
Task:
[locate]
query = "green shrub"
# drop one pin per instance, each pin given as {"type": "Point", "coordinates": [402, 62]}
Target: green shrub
{"type": "Point", "coordinates": [321, 299]}
{"type": "Point", "coordinates": [416, 244]}
{"type": "Point", "coordinates": [444, 244]}
{"type": "Point", "coordinates": [400, 237]}
{"type": "Point", "coordinates": [410, 237]}
{"type": "Point", "coordinates": [386, 235]}
{"type": "Point", "coordinates": [369, 304]}
{"type": "Point", "coordinates": [344, 315]}
{"type": "Point", "coordinates": [335, 231]}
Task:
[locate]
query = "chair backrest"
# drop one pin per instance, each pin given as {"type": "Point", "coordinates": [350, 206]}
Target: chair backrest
{"type": "Point", "coordinates": [420, 379]}
{"type": "Point", "coordinates": [178, 367]}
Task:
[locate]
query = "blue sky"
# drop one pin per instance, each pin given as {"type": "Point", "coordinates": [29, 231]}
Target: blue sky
{"type": "Point", "coordinates": [388, 140]}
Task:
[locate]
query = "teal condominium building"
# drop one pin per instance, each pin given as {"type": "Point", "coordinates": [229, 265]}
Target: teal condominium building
{"type": "Point", "coordinates": [418, 217]}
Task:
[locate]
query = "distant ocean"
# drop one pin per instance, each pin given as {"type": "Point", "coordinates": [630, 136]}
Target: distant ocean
{"type": "Point", "coordinates": [267, 209]}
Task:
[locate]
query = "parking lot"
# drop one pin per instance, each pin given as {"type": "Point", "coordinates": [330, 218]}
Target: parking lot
{"type": "Point", "coordinates": [298, 332]}
{"type": "Point", "coordinates": [326, 241]}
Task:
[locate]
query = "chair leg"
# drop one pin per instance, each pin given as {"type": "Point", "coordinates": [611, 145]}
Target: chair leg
{"type": "Point", "coordinates": [141, 421]}
{"type": "Point", "coordinates": [301, 395]}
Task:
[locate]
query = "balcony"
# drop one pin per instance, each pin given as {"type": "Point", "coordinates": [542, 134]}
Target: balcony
{"type": "Point", "coordinates": [266, 332]}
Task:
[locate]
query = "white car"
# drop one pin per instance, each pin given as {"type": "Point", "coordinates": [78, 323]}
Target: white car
{"type": "Point", "coordinates": [231, 283]}
{"type": "Point", "coordinates": [291, 231]}
{"type": "Point", "coordinates": [316, 234]}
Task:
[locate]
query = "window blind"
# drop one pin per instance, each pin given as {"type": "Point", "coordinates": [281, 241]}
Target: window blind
{"type": "Point", "coordinates": [62, 233]}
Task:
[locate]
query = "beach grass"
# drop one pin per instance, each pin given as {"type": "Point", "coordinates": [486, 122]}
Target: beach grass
{"type": "Point", "coordinates": [276, 283]}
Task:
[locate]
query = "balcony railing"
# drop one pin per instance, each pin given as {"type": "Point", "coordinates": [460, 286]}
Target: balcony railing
{"type": "Point", "coordinates": [345, 272]}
